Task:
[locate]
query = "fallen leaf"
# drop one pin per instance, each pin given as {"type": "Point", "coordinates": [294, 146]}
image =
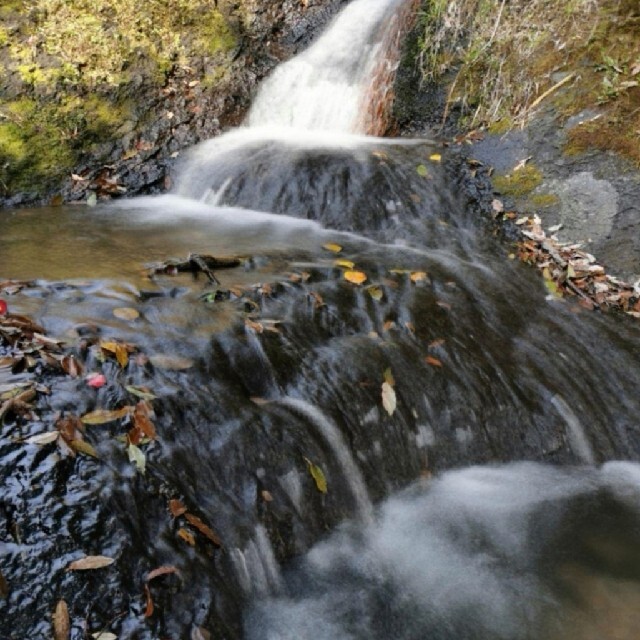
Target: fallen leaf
{"type": "Point", "coordinates": [3, 308]}
{"type": "Point", "coordinates": [140, 392]}
{"type": "Point", "coordinates": [266, 495]}
{"type": "Point", "coordinates": [170, 363]}
{"type": "Point", "coordinates": [422, 171]}
{"type": "Point", "coordinates": [161, 571]}
{"type": "Point", "coordinates": [142, 420]}
{"type": "Point", "coordinates": [81, 446]}
{"type": "Point", "coordinates": [136, 455]}
{"type": "Point", "coordinates": [203, 528]}
{"type": "Point", "coordinates": [148, 612]}
{"type": "Point", "coordinates": [388, 398]}
{"type": "Point", "coordinates": [435, 157]}
{"type": "Point", "coordinates": [355, 277]}
{"type": "Point", "coordinates": [497, 205]}
{"type": "Point", "coordinates": [331, 246]}
{"type": "Point", "coordinates": [347, 264]}
{"type": "Point", "coordinates": [90, 562]}
{"type": "Point", "coordinates": [254, 326]}
{"type": "Point", "coordinates": [318, 475]}
{"type": "Point", "coordinates": [434, 344]}
{"type": "Point", "coordinates": [187, 536]}
{"type": "Point", "coordinates": [418, 276]}
{"type": "Point", "coordinates": [4, 586]}
{"type": "Point", "coordinates": [176, 507]}
{"type": "Point", "coordinates": [61, 622]}
{"type": "Point", "coordinates": [375, 292]}
{"type": "Point", "coordinates": [104, 635]}
{"type": "Point", "coordinates": [434, 362]}
{"type": "Point", "coordinates": [103, 416]}
{"type": "Point", "coordinates": [126, 313]}
{"type": "Point", "coordinates": [43, 438]}
{"type": "Point", "coordinates": [388, 377]}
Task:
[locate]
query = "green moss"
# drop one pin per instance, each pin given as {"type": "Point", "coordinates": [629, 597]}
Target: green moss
{"type": "Point", "coordinates": [544, 200]}
{"type": "Point", "coordinates": [4, 36]}
{"type": "Point", "coordinates": [501, 126]}
{"type": "Point", "coordinates": [519, 183]}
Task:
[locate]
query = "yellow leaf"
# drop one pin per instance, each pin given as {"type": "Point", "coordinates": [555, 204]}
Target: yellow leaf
{"type": "Point", "coordinates": [375, 292]}
{"type": "Point", "coordinates": [90, 562]}
{"type": "Point", "coordinates": [126, 313]}
{"type": "Point", "coordinates": [318, 475]}
{"type": "Point", "coordinates": [81, 446]}
{"type": "Point", "coordinates": [435, 157]}
{"type": "Point", "coordinates": [102, 416]}
{"type": "Point", "coordinates": [355, 277]}
{"type": "Point", "coordinates": [187, 536]}
{"type": "Point", "coordinates": [136, 455]}
{"type": "Point", "coordinates": [347, 264]}
{"type": "Point", "coordinates": [331, 246]}
{"type": "Point", "coordinates": [388, 377]}
{"type": "Point", "coordinates": [418, 276]}
{"type": "Point", "coordinates": [388, 398]}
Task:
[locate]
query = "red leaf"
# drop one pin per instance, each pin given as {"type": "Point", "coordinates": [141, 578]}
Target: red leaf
{"type": "Point", "coordinates": [434, 362]}
{"type": "Point", "coordinates": [3, 307]}
{"type": "Point", "coordinates": [96, 380]}
{"type": "Point", "coordinates": [176, 507]}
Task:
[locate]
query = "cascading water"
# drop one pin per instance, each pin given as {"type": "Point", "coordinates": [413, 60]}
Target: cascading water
{"type": "Point", "coordinates": [281, 372]}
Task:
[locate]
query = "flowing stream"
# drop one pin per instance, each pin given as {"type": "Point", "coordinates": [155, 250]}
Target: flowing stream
{"type": "Point", "coordinates": [272, 381]}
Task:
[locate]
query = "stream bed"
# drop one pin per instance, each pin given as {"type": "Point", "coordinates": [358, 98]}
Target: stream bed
{"type": "Point", "coordinates": [376, 425]}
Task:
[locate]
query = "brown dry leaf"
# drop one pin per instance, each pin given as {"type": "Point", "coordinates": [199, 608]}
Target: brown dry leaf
{"type": "Point", "coordinates": [187, 536]}
{"type": "Point", "coordinates": [355, 277]}
{"type": "Point", "coordinates": [176, 507]}
{"type": "Point", "coordinates": [4, 586]}
{"type": "Point", "coordinates": [389, 401]}
{"type": "Point", "coordinates": [203, 528]}
{"type": "Point", "coordinates": [71, 366]}
{"type": "Point", "coordinates": [61, 622]}
{"type": "Point", "coordinates": [90, 562]}
{"type": "Point", "coordinates": [161, 571]}
{"type": "Point", "coordinates": [434, 362]}
{"type": "Point", "coordinates": [120, 351]}
{"type": "Point", "coordinates": [255, 326]}
{"type": "Point", "coordinates": [126, 313]}
{"type": "Point", "coordinates": [142, 421]}
{"type": "Point", "coordinates": [148, 612]}
{"type": "Point", "coordinates": [103, 416]}
{"type": "Point", "coordinates": [266, 495]}
{"type": "Point", "coordinates": [69, 427]}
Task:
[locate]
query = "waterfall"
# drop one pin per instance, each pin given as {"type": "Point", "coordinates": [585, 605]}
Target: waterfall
{"type": "Point", "coordinates": [324, 88]}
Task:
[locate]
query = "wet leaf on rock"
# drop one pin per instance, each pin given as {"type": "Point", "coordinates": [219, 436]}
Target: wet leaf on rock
{"type": "Point", "coordinates": [103, 416]}
{"type": "Point", "coordinates": [120, 351]}
{"type": "Point", "coordinates": [187, 536]}
{"type": "Point", "coordinates": [435, 157]}
{"type": "Point", "coordinates": [104, 635]}
{"type": "Point", "coordinates": [434, 362]}
{"type": "Point", "coordinates": [90, 562]}
{"type": "Point", "coordinates": [388, 377]}
{"type": "Point", "coordinates": [162, 571]}
{"type": "Point", "coordinates": [148, 612]}
{"type": "Point", "coordinates": [81, 446]}
{"type": "Point", "coordinates": [176, 508]}
{"type": "Point", "coordinates": [419, 276]}
{"type": "Point", "coordinates": [388, 398]}
{"type": "Point", "coordinates": [375, 292]}
{"type": "Point", "coordinates": [355, 277]}
{"type": "Point", "coordinates": [43, 438]}
{"type": "Point", "coordinates": [318, 476]}
{"type": "Point", "coordinates": [333, 247]}
{"type": "Point", "coordinates": [4, 586]}
{"type": "Point", "coordinates": [96, 380]}
{"type": "Point", "coordinates": [61, 622]}
{"type": "Point", "coordinates": [140, 392]}
{"type": "Point", "coordinates": [206, 531]}
{"type": "Point", "coordinates": [422, 171]}
{"type": "Point", "coordinates": [126, 313]}
{"type": "Point", "coordinates": [346, 264]}
{"type": "Point", "coordinates": [136, 455]}
{"type": "Point", "coordinates": [142, 420]}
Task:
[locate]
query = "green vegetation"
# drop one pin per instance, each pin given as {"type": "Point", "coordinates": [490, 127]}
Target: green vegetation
{"type": "Point", "coordinates": [520, 182]}
{"type": "Point", "coordinates": [508, 58]}
{"type": "Point", "coordinates": [69, 65]}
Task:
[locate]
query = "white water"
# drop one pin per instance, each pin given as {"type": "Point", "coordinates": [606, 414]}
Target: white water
{"type": "Point", "coordinates": [519, 552]}
{"type": "Point", "coordinates": [323, 88]}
